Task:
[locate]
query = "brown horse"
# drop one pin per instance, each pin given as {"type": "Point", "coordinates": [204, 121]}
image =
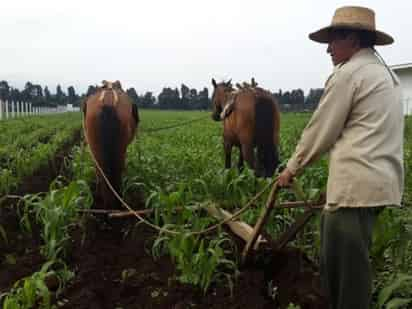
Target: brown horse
{"type": "Point", "coordinates": [251, 118]}
{"type": "Point", "coordinates": [110, 123]}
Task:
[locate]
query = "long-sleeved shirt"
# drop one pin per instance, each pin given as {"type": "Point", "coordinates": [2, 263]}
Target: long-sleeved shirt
{"type": "Point", "coordinates": [359, 121]}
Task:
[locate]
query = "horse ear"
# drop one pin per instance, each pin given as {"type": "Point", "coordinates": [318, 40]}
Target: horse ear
{"type": "Point", "coordinates": [117, 85]}
{"type": "Point", "coordinates": [214, 83]}
{"type": "Point", "coordinates": [229, 83]}
{"type": "Point", "coordinates": [254, 83]}
{"type": "Point", "coordinates": [105, 84]}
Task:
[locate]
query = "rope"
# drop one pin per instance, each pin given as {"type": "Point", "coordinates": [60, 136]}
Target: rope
{"type": "Point", "coordinates": [174, 126]}
{"type": "Point", "coordinates": [164, 230]}
{"type": "Point", "coordinates": [9, 196]}
{"type": "Point", "coordinates": [395, 81]}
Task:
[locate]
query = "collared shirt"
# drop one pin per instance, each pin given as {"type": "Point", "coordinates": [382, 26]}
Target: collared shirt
{"type": "Point", "coordinates": [359, 121]}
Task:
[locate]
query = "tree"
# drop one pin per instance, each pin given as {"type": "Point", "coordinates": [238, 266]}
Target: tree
{"type": "Point", "coordinates": [192, 98]}
{"type": "Point", "coordinates": [169, 99]}
{"type": "Point", "coordinates": [15, 94]}
{"type": "Point", "coordinates": [313, 98]}
{"type": "Point", "coordinates": [185, 91]}
{"type": "Point", "coordinates": [71, 95]}
{"type": "Point", "coordinates": [203, 99]}
{"type": "Point", "coordinates": [47, 95]}
{"type": "Point", "coordinates": [27, 92]}
{"type": "Point", "coordinates": [32, 93]}
{"type": "Point", "coordinates": [4, 90]}
{"type": "Point", "coordinates": [91, 90]}
{"type": "Point", "coordinates": [148, 100]}
{"type": "Point", "coordinates": [131, 92]}
{"type": "Point", "coordinates": [60, 96]}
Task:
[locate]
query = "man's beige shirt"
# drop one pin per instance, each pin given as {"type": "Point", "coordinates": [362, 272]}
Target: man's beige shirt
{"type": "Point", "coordinates": [360, 121]}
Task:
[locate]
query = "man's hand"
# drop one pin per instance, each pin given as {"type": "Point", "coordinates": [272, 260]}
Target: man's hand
{"type": "Point", "coordinates": [285, 178]}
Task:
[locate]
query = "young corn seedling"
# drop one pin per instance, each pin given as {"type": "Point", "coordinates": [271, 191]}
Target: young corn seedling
{"type": "Point", "coordinates": [55, 213]}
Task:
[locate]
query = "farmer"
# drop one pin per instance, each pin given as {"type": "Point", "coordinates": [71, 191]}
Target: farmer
{"type": "Point", "coordinates": [359, 121]}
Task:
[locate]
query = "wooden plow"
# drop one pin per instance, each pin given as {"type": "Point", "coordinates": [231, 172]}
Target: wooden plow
{"type": "Point", "coordinates": [290, 233]}
{"type": "Point", "coordinates": [253, 236]}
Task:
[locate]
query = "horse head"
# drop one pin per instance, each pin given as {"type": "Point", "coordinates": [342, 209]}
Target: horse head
{"type": "Point", "coordinates": [221, 95]}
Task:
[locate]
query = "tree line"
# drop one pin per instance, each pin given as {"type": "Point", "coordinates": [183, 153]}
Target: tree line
{"type": "Point", "coordinates": [185, 98]}
{"type": "Point", "coordinates": [38, 95]}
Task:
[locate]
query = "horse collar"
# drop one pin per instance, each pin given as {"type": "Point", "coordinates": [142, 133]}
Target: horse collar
{"type": "Point", "coordinates": [229, 105]}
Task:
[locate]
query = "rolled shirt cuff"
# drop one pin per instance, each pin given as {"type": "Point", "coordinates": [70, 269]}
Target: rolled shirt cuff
{"type": "Point", "coordinates": [293, 166]}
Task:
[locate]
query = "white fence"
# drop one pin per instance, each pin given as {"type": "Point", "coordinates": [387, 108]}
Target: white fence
{"type": "Point", "coordinates": [14, 109]}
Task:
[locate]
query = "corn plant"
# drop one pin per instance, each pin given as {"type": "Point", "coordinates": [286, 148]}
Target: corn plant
{"type": "Point", "coordinates": [27, 146]}
{"type": "Point", "coordinates": [55, 213]}
{"type": "Point", "coordinates": [397, 294]}
{"type": "Point", "coordinates": [393, 238]}
{"type": "Point", "coordinates": [293, 306]}
{"type": "Point", "coordinates": [80, 164]}
{"type": "Point", "coordinates": [8, 181]}
{"type": "Point", "coordinates": [3, 235]}
{"type": "Point", "coordinates": [33, 292]}
{"type": "Point", "coordinates": [199, 261]}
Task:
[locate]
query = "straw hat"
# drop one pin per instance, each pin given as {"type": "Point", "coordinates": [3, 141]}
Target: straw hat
{"type": "Point", "coordinates": [352, 17]}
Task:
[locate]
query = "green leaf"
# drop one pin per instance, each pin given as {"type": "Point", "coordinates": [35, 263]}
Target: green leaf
{"type": "Point", "coordinates": [398, 303]}
{"type": "Point", "coordinates": [386, 292]}
{"type": "Point", "coordinates": [3, 235]}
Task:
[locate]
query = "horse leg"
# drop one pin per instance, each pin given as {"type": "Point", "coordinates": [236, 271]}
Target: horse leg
{"type": "Point", "coordinates": [248, 155]}
{"type": "Point", "coordinates": [99, 190]}
{"type": "Point", "coordinates": [228, 154]}
{"type": "Point", "coordinates": [260, 168]}
{"type": "Point", "coordinates": [240, 163]}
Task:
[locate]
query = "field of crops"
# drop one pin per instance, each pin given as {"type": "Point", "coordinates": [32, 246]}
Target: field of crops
{"type": "Point", "coordinates": [56, 254]}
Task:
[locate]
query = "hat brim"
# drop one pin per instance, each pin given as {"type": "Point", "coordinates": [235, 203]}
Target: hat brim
{"type": "Point", "coordinates": [322, 35]}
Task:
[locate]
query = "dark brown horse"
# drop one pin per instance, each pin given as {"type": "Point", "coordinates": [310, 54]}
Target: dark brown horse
{"type": "Point", "coordinates": [251, 118]}
{"type": "Point", "coordinates": [110, 123]}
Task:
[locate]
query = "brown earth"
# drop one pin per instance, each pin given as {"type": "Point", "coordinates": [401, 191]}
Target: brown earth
{"type": "Point", "coordinates": [114, 269]}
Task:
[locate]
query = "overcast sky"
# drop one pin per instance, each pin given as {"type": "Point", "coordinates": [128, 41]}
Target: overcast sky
{"type": "Point", "coordinates": [154, 44]}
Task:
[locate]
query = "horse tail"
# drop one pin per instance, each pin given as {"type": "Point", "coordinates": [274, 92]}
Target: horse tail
{"type": "Point", "coordinates": [265, 125]}
{"type": "Point", "coordinates": [110, 147]}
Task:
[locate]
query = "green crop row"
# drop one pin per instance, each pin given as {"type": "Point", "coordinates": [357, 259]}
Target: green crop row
{"type": "Point", "coordinates": [56, 214]}
{"type": "Point", "coordinates": [22, 152]}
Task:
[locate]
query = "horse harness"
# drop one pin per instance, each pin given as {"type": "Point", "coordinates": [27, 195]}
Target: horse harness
{"type": "Point", "coordinates": [230, 102]}
{"type": "Point", "coordinates": [229, 105]}
{"type": "Point", "coordinates": [227, 110]}
{"type": "Point", "coordinates": [109, 86]}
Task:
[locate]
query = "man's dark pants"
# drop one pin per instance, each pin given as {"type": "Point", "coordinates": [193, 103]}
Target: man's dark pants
{"type": "Point", "coordinates": [346, 235]}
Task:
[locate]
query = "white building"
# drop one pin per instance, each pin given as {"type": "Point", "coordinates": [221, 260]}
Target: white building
{"type": "Point", "coordinates": [71, 108]}
{"type": "Point", "coordinates": [404, 71]}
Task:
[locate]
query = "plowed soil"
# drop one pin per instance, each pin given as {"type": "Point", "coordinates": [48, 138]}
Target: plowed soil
{"type": "Point", "coordinates": [113, 271]}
